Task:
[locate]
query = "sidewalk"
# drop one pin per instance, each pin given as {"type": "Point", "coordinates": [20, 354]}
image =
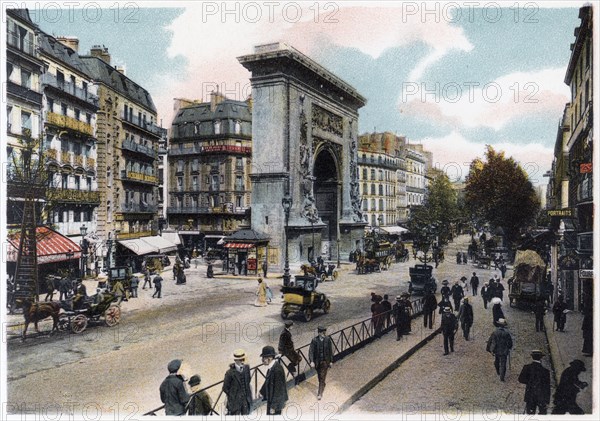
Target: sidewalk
{"type": "Point", "coordinates": [564, 348]}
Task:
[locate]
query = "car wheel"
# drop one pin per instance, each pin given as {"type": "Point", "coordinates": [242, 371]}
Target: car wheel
{"type": "Point", "coordinates": [326, 306]}
{"type": "Point", "coordinates": [308, 313]}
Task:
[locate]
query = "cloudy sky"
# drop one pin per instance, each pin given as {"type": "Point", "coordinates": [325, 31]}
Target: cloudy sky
{"type": "Point", "coordinates": [452, 76]}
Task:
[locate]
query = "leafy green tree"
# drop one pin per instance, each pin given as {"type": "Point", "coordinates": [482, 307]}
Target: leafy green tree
{"type": "Point", "coordinates": [497, 191]}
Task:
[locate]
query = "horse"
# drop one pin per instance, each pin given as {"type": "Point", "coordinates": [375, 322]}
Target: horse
{"type": "Point", "coordinates": [34, 312]}
{"type": "Point", "coordinates": [308, 270]}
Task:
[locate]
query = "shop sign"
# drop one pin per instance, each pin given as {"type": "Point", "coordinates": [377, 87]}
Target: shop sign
{"type": "Point", "coordinates": [560, 212]}
{"type": "Point", "coordinates": [585, 168]}
{"type": "Point", "coordinates": [586, 273]}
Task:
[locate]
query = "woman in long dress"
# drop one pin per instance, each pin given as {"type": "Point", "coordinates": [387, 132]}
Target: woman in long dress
{"type": "Point", "coordinates": [261, 294]}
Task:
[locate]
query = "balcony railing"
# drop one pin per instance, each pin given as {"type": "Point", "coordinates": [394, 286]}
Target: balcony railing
{"type": "Point", "coordinates": [65, 158]}
{"type": "Point", "coordinates": [130, 235]}
{"type": "Point", "coordinates": [90, 163]}
{"type": "Point", "coordinates": [206, 210]}
{"type": "Point", "coordinates": [146, 125]}
{"type": "Point", "coordinates": [138, 207]}
{"type": "Point", "coordinates": [24, 92]}
{"type": "Point", "coordinates": [208, 149]}
{"type": "Point", "coordinates": [68, 87]}
{"type": "Point", "coordinates": [138, 177]}
{"type": "Point", "coordinates": [64, 121]}
{"type": "Point", "coordinates": [68, 195]}
{"type": "Point", "coordinates": [136, 147]}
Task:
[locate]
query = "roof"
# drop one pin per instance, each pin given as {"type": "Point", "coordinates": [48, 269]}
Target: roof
{"type": "Point", "coordinates": [21, 14]}
{"type": "Point", "coordinates": [246, 235]}
{"type": "Point", "coordinates": [103, 72]}
{"type": "Point", "coordinates": [51, 246]}
{"type": "Point", "coordinates": [58, 50]}
{"type": "Point", "coordinates": [227, 109]}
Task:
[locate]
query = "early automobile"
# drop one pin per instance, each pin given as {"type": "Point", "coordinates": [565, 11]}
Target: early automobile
{"type": "Point", "coordinates": [302, 298]}
{"type": "Point", "coordinates": [421, 279]}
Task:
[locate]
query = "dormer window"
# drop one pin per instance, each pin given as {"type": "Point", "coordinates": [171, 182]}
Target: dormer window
{"type": "Point", "coordinates": [237, 127]}
{"type": "Point", "coordinates": [217, 125]}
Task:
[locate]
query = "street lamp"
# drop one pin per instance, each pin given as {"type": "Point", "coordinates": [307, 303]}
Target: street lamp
{"type": "Point", "coordinates": [70, 255]}
{"type": "Point", "coordinates": [286, 202]}
{"type": "Point", "coordinates": [108, 252]}
{"type": "Point", "coordinates": [84, 249]}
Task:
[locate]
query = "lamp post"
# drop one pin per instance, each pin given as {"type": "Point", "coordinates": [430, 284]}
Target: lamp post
{"type": "Point", "coordinates": [70, 255]}
{"type": "Point", "coordinates": [84, 247]}
{"type": "Point", "coordinates": [338, 252]}
{"type": "Point", "coordinates": [286, 202]}
{"type": "Point", "coordinates": [108, 252]}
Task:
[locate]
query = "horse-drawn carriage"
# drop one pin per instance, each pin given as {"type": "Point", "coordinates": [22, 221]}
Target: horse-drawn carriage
{"type": "Point", "coordinates": [323, 272]}
{"type": "Point", "coordinates": [302, 297]}
{"type": "Point", "coordinates": [527, 282]}
{"type": "Point", "coordinates": [97, 308]}
{"type": "Point", "coordinates": [378, 255]}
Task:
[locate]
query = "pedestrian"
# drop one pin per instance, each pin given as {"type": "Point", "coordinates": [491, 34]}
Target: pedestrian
{"type": "Point", "coordinates": [457, 294]}
{"type": "Point", "coordinates": [503, 270]}
{"type": "Point", "coordinates": [377, 316]}
{"type": "Point", "coordinates": [119, 291]}
{"type": "Point", "coordinates": [49, 288]}
{"type": "Point", "coordinates": [387, 309]}
{"type": "Point", "coordinates": [444, 302]}
{"type": "Point", "coordinates": [199, 403]}
{"type": "Point", "coordinates": [134, 286]}
{"type": "Point", "coordinates": [497, 312]}
{"type": "Point", "coordinates": [449, 327]}
{"type": "Point", "coordinates": [539, 309]}
{"type": "Point", "coordinates": [147, 279]}
{"type": "Point", "coordinates": [464, 284]}
{"type": "Point", "coordinates": [560, 313]}
{"type": "Point", "coordinates": [465, 315]}
{"type": "Point", "coordinates": [172, 390]}
{"type": "Point", "coordinates": [321, 357]}
{"type": "Point", "coordinates": [458, 258]}
{"type": "Point", "coordinates": [406, 313]}
{"type": "Point", "coordinates": [499, 344]}
{"type": "Point", "coordinates": [245, 267]}
{"type": "Point", "coordinates": [429, 307]}
{"type": "Point", "coordinates": [261, 294]}
{"type": "Point", "coordinates": [239, 267]}
{"type": "Point", "coordinates": [485, 295]}
{"type": "Point", "coordinates": [498, 288]}
{"type": "Point", "coordinates": [475, 284]}
{"type": "Point", "coordinates": [286, 347]}
{"type": "Point", "coordinates": [537, 385]}
{"type": "Point", "coordinates": [550, 291]}
{"type": "Point", "coordinates": [465, 258]}
{"type": "Point", "coordinates": [157, 286]}
{"type": "Point", "coordinates": [236, 385]}
{"type": "Point", "coordinates": [565, 396]}
{"type": "Point", "coordinates": [445, 289]}
{"type": "Point", "coordinates": [64, 288]}
{"type": "Point", "coordinates": [491, 289]}
{"type": "Point", "coordinates": [274, 389]}
{"type": "Point", "coordinates": [209, 270]}
{"type": "Point", "coordinates": [265, 268]}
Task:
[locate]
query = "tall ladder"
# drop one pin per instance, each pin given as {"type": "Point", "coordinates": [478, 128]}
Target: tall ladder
{"type": "Point", "coordinates": [26, 273]}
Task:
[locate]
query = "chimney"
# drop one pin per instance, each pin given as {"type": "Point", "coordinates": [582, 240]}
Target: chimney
{"type": "Point", "coordinates": [120, 69]}
{"type": "Point", "coordinates": [216, 98]}
{"type": "Point", "coordinates": [100, 52]}
{"type": "Point", "coordinates": [71, 42]}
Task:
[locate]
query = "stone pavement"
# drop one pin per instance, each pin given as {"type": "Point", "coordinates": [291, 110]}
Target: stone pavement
{"type": "Point", "coordinates": [564, 348]}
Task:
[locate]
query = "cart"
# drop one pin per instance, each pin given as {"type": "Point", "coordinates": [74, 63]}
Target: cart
{"type": "Point", "coordinates": [302, 298]}
{"type": "Point", "coordinates": [95, 309]}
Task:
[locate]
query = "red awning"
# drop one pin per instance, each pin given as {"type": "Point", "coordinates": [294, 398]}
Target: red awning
{"type": "Point", "coordinates": [51, 246]}
{"type": "Point", "coordinates": [238, 246]}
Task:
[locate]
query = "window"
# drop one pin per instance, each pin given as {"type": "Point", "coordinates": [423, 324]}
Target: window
{"type": "Point", "coordinates": [60, 79]}
{"type": "Point", "coordinates": [180, 165]}
{"type": "Point", "coordinates": [26, 78]}
{"type": "Point", "coordinates": [76, 216]}
{"type": "Point", "coordinates": [239, 163]}
{"type": "Point", "coordinates": [179, 183]}
{"type": "Point", "coordinates": [77, 182]}
{"type": "Point", "coordinates": [365, 189]}
{"type": "Point", "coordinates": [84, 86]}
{"type": "Point", "coordinates": [65, 181]}
{"type": "Point", "coordinates": [237, 127]}
{"type": "Point", "coordinates": [239, 183]}
{"type": "Point", "coordinates": [89, 183]}
{"type": "Point", "coordinates": [194, 201]}
{"type": "Point", "coordinates": [77, 114]}
{"type": "Point", "coordinates": [238, 201]}
{"type": "Point", "coordinates": [63, 109]}
{"type": "Point", "coordinates": [380, 190]}
{"type": "Point", "coordinates": [195, 165]}
{"type": "Point", "coordinates": [25, 121]}
{"type": "Point", "coordinates": [88, 118]}
{"type": "Point", "coordinates": [195, 182]}
{"type": "Point", "coordinates": [50, 103]}
{"type": "Point", "coordinates": [372, 174]}
{"type": "Point", "coordinates": [9, 70]}
{"type": "Point", "coordinates": [364, 173]}
{"type": "Point", "coordinates": [373, 189]}
{"type": "Point", "coordinates": [77, 148]}
{"type": "Point", "coordinates": [217, 126]}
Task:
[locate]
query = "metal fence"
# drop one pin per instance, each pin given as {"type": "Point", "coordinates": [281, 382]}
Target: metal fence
{"type": "Point", "coordinates": [345, 341]}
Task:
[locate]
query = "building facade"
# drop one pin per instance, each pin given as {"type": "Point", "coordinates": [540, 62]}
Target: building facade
{"type": "Point", "coordinates": [209, 164]}
{"type": "Point", "coordinates": [415, 177]}
{"type": "Point", "coordinates": [127, 141]}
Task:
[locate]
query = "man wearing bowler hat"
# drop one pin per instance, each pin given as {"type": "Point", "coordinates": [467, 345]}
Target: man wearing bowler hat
{"type": "Point", "coordinates": [200, 403]}
{"type": "Point", "coordinates": [236, 385]}
{"type": "Point", "coordinates": [537, 384]}
{"type": "Point", "coordinates": [172, 390]}
{"type": "Point", "coordinates": [274, 389]}
{"type": "Point", "coordinates": [286, 347]}
{"type": "Point", "coordinates": [321, 357]}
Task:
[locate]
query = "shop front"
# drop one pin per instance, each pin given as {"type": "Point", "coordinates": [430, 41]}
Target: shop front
{"type": "Point", "coordinates": [246, 250]}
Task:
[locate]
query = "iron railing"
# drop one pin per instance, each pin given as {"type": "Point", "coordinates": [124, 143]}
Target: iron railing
{"type": "Point", "coordinates": [345, 341]}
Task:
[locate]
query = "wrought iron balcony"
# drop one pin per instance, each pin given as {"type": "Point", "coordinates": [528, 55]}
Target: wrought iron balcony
{"type": "Point", "coordinates": [138, 177]}
{"type": "Point", "coordinates": [74, 196]}
{"type": "Point", "coordinates": [138, 208]}
{"type": "Point", "coordinates": [49, 79]}
{"type": "Point", "coordinates": [24, 92]}
{"type": "Point", "coordinates": [67, 122]}
{"type": "Point", "coordinates": [211, 149]}
{"type": "Point", "coordinates": [136, 147]}
{"type": "Point", "coordinates": [146, 125]}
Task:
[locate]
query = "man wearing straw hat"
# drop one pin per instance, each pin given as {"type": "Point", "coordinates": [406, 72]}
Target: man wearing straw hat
{"type": "Point", "coordinates": [499, 344]}
{"type": "Point", "coordinates": [537, 384]}
{"type": "Point", "coordinates": [236, 385]}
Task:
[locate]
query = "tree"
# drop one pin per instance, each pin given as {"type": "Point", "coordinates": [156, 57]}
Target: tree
{"type": "Point", "coordinates": [497, 191]}
{"type": "Point", "coordinates": [432, 222]}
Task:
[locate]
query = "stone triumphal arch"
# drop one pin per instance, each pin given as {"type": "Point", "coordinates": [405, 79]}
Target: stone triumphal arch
{"type": "Point", "coordinates": [304, 132]}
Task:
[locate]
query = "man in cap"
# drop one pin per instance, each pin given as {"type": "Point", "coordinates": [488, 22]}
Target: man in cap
{"type": "Point", "coordinates": [286, 347]}
{"type": "Point", "coordinates": [321, 357]}
{"type": "Point", "coordinates": [199, 403]}
{"type": "Point", "coordinates": [449, 328]}
{"type": "Point", "coordinates": [172, 390]}
{"type": "Point", "coordinates": [236, 385]}
{"type": "Point", "coordinates": [499, 344]}
{"type": "Point", "coordinates": [465, 315]}
{"type": "Point", "coordinates": [274, 389]}
{"type": "Point", "coordinates": [429, 306]}
{"type": "Point", "coordinates": [537, 384]}
{"type": "Point", "coordinates": [565, 397]}
{"type": "Point", "coordinates": [474, 283]}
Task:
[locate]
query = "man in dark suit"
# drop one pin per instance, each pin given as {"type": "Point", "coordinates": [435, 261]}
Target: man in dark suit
{"type": "Point", "coordinates": [321, 357]}
{"type": "Point", "coordinates": [286, 347]}
{"type": "Point", "coordinates": [236, 385]}
{"type": "Point", "coordinates": [565, 396]}
{"type": "Point", "coordinates": [172, 390]}
{"type": "Point", "coordinates": [539, 309]}
{"type": "Point", "coordinates": [429, 305]}
{"type": "Point", "coordinates": [474, 283]}
{"type": "Point", "coordinates": [457, 294]}
{"type": "Point", "coordinates": [499, 344]}
{"type": "Point", "coordinates": [274, 389]}
{"type": "Point", "coordinates": [537, 380]}
{"type": "Point", "coordinates": [449, 327]}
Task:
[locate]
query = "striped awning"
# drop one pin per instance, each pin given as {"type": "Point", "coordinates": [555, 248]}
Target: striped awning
{"type": "Point", "coordinates": [51, 246]}
{"type": "Point", "coordinates": [238, 246]}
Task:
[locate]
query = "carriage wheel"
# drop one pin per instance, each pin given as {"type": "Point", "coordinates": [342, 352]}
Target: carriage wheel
{"type": "Point", "coordinates": [78, 323]}
{"type": "Point", "coordinates": [112, 315]}
{"type": "Point", "coordinates": [63, 322]}
{"type": "Point", "coordinates": [326, 306]}
{"type": "Point", "coordinates": [323, 277]}
{"type": "Point", "coordinates": [308, 313]}
{"type": "Point", "coordinates": [335, 275]}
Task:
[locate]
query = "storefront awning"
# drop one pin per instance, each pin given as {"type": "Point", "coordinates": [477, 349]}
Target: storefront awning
{"type": "Point", "coordinates": [51, 246]}
{"type": "Point", "coordinates": [163, 245]}
{"type": "Point", "coordinates": [394, 230]}
{"type": "Point", "coordinates": [238, 246]}
{"type": "Point", "coordinates": [139, 246]}
{"type": "Point", "coordinates": [173, 237]}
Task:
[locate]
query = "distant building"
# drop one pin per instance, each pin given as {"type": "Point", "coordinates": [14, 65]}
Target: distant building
{"type": "Point", "coordinates": [209, 165]}
{"type": "Point", "coordinates": [416, 170]}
